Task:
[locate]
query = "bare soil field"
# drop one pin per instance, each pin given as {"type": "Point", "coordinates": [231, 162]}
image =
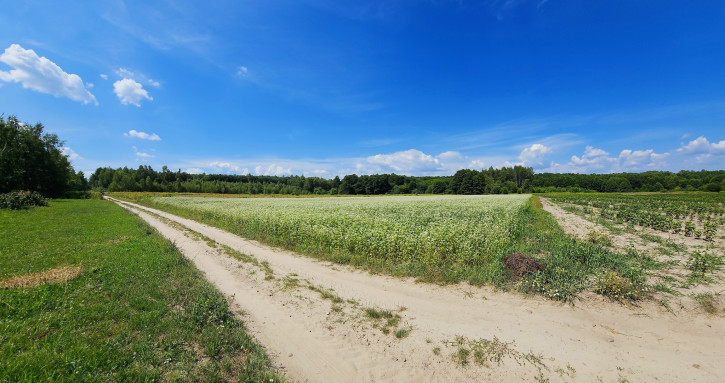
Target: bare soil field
{"type": "Point", "coordinates": [325, 322]}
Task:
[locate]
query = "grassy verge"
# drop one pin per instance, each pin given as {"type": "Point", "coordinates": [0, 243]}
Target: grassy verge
{"type": "Point", "coordinates": [132, 309]}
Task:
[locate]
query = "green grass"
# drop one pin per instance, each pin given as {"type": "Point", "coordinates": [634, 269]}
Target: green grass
{"type": "Point", "coordinates": [139, 311]}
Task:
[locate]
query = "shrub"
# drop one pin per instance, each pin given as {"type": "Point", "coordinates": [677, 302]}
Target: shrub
{"type": "Point", "coordinates": [22, 200]}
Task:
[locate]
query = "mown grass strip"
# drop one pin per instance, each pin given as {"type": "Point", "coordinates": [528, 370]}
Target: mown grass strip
{"type": "Point", "coordinates": [138, 310]}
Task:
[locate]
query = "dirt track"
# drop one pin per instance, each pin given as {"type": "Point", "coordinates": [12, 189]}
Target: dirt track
{"type": "Point", "coordinates": [312, 339]}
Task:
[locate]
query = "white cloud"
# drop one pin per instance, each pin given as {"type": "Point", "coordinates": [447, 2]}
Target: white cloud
{"type": "Point", "coordinates": [450, 155]}
{"type": "Point", "coordinates": [591, 152]}
{"type": "Point", "coordinates": [130, 92]}
{"type": "Point", "coordinates": [142, 135]}
{"type": "Point", "coordinates": [104, 76]}
{"type": "Point", "coordinates": [534, 154]}
{"type": "Point", "coordinates": [138, 77]}
{"type": "Point", "coordinates": [476, 164]}
{"type": "Point", "coordinates": [224, 166]}
{"type": "Point", "coordinates": [144, 155]}
{"type": "Point", "coordinates": [193, 171]}
{"type": "Point", "coordinates": [595, 160]}
{"type": "Point", "coordinates": [70, 153]}
{"type": "Point", "coordinates": [272, 170]}
{"type": "Point", "coordinates": [407, 161]}
{"type": "Point", "coordinates": [701, 145]}
{"type": "Point", "coordinates": [242, 71]}
{"type": "Point", "coordinates": [42, 75]}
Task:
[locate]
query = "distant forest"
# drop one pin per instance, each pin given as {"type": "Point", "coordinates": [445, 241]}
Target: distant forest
{"type": "Point", "coordinates": [517, 179]}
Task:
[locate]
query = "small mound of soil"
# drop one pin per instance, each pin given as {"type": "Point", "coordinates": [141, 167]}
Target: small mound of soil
{"type": "Point", "coordinates": [519, 264]}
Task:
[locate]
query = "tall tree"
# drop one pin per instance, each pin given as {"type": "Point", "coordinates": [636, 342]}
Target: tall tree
{"type": "Point", "coordinates": [33, 160]}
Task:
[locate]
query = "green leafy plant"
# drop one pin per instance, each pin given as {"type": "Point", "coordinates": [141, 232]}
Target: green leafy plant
{"type": "Point", "coordinates": [703, 262]}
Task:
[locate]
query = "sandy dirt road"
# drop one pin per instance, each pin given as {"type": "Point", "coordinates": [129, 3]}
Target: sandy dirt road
{"type": "Point", "coordinates": [315, 339]}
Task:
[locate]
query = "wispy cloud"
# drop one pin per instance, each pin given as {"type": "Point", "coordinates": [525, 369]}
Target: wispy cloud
{"type": "Point", "coordinates": [42, 75]}
{"type": "Point", "coordinates": [136, 76]}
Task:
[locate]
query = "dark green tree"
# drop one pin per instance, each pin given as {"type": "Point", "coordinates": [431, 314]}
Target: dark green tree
{"type": "Point", "coordinates": [31, 159]}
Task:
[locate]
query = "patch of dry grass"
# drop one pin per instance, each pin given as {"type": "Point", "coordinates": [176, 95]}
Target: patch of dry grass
{"type": "Point", "coordinates": [57, 275]}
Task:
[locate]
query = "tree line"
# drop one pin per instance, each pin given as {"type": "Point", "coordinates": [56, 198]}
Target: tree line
{"type": "Point", "coordinates": [516, 179]}
{"type": "Point", "coordinates": [32, 160]}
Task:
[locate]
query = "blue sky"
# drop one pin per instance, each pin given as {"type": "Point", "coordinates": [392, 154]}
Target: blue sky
{"type": "Point", "coordinates": [334, 87]}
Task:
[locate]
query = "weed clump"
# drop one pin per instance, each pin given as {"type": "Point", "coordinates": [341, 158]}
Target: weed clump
{"type": "Point", "coordinates": [599, 238]}
{"type": "Point", "coordinates": [709, 302]}
{"type": "Point", "coordinates": [617, 287]}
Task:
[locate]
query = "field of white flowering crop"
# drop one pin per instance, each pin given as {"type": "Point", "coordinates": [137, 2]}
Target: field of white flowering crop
{"type": "Point", "coordinates": [432, 232]}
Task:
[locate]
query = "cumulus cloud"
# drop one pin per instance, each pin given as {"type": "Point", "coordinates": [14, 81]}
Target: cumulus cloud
{"type": "Point", "coordinates": [144, 155]}
{"type": "Point", "coordinates": [42, 75]}
{"type": "Point", "coordinates": [227, 167]}
{"type": "Point", "coordinates": [194, 171]}
{"type": "Point", "coordinates": [272, 170]}
{"type": "Point", "coordinates": [70, 153]}
{"type": "Point", "coordinates": [242, 71]}
{"type": "Point", "coordinates": [701, 145]}
{"type": "Point", "coordinates": [407, 161]}
{"type": "Point", "coordinates": [534, 154]}
{"type": "Point", "coordinates": [130, 92]}
{"type": "Point", "coordinates": [599, 161]}
{"type": "Point", "coordinates": [142, 135]}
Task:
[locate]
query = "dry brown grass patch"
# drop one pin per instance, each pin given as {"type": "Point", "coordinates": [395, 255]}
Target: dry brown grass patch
{"type": "Point", "coordinates": [57, 275]}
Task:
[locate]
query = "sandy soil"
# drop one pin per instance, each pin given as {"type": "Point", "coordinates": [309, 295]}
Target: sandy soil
{"type": "Point", "coordinates": [312, 339]}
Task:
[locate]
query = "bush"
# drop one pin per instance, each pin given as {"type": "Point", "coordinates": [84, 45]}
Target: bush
{"type": "Point", "coordinates": [22, 200]}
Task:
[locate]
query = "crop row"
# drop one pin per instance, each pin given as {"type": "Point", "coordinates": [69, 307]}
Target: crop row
{"type": "Point", "coordinates": [692, 214]}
